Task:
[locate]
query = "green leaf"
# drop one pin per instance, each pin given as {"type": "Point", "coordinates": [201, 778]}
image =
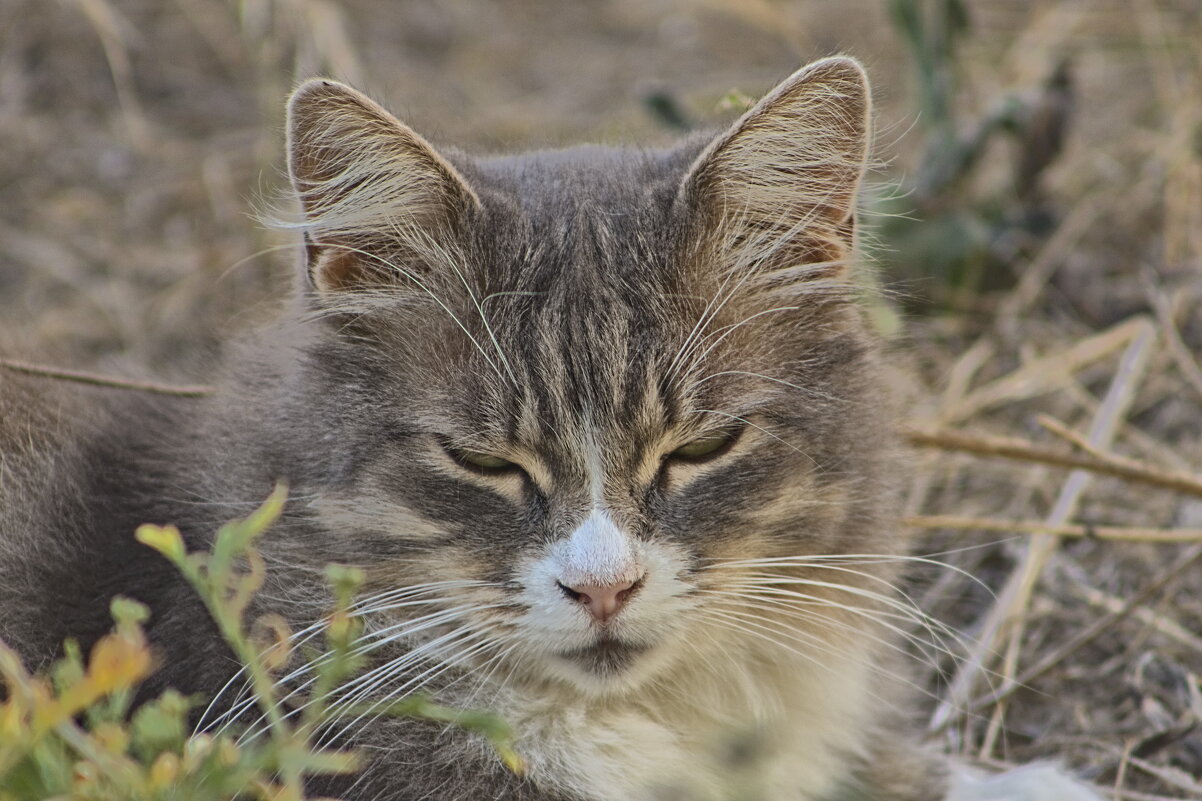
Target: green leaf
{"type": "Point", "coordinates": [160, 725]}
{"type": "Point", "coordinates": [128, 611]}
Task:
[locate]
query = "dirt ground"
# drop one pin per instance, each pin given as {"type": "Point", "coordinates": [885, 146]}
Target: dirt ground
{"type": "Point", "coordinates": [1045, 288]}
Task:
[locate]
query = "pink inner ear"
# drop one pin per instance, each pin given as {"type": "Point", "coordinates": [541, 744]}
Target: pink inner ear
{"type": "Point", "coordinates": [782, 182]}
{"type": "Point", "coordinates": [366, 179]}
{"type": "Point", "coordinates": [337, 269]}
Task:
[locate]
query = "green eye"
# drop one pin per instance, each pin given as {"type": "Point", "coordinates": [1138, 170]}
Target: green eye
{"type": "Point", "coordinates": [485, 461]}
{"type": "Point", "coordinates": [705, 448]}
{"type": "Point", "coordinates": [478, 461]}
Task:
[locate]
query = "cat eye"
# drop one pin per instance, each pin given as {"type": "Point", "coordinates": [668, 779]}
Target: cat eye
{"type": "Point", "coordinates": [479, 461]}
{"type": "Point", "coordinates": [703, 449]}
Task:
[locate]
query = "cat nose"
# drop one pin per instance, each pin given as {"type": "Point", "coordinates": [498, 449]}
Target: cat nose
{"type": "Point", "coordinates": [602, 601]}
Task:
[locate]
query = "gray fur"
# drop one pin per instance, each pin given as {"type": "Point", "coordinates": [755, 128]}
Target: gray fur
{"type": "Point", "coordinates": [534, 307]}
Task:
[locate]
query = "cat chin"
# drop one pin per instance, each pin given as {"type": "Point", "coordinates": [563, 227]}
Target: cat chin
{"type": "Point", "coordinates": [609, 669]}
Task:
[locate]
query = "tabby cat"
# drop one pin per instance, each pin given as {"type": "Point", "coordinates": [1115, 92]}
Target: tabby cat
{"type": "Point", "coordinates": [606, 430]}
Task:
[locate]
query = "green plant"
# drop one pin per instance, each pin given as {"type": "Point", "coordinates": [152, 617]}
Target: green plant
{"type": "Point", "coordinates": [76, 733]}
{"type": "Point", "coordinates": [942, 225]}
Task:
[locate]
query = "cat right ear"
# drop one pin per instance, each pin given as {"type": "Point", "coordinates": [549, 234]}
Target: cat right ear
{"type": "Point", "coordinates": [375, 195]}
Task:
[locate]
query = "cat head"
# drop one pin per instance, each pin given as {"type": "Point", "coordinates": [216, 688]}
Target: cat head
{"type": "Point", "coordinates": [576, 407]}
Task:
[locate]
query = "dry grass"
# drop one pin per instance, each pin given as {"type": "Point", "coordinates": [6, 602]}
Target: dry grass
{"type": "Point", "coordinates": [137, 135]}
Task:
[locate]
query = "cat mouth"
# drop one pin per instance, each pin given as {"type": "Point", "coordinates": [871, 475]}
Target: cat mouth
{"type": "Point", "coordinates": [607, 656]}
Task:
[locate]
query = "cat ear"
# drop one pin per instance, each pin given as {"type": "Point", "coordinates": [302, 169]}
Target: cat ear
{"type": "Point", "coordinates": [779, 187]}
{"type": "Point", "coordinates": [374, 193]}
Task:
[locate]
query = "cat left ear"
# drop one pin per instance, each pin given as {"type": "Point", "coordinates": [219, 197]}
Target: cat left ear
{"type": "Point", "coordinates": [374, 193]}
{"type": "Point", "coordinates": [780, 186]}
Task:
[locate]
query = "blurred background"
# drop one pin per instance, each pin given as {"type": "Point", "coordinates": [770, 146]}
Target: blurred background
{"type": "Point", "coordinates": [1035, 221]}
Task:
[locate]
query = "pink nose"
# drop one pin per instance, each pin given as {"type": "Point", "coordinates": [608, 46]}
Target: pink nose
{"type": "Point", "coordinates": [602, 601]}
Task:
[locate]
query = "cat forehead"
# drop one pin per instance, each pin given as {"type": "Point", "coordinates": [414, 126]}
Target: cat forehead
{"type": "Point", "coordinates": [606, 181]}
{"type": "Point", "coordinates": [582, 267]}
{"type": "Point", "coordinates": [587, 230]}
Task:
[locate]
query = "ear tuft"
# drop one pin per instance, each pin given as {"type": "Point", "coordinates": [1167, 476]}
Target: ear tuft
{"type": "Point", "coordinates": [780, 185]}
{"type": "Point", "coordinates": [369, 186]}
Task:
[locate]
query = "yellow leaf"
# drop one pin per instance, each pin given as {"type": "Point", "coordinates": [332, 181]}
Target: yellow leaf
{"type": "Point", "coordinates": [111, 737]}
{"type": "Point", "coordinates": [11, 719]}
{"type": "Point", "coordinates": [271, 635]}
{"type": "Point", "coordinates": [84, 774]}
{"type": "Point", "coordinates": [512, 760]}
{"type": "Point", "coordinates": [164, 771]}
{"type": "Point", "coordinates": [118, 662]}
{"type": "Point", "coordinates": [164, 539]}
{"type": "Point", "coordinates": [196, 751]}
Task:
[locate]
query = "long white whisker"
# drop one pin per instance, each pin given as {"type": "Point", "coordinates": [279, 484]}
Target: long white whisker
{"type": "Point", "coordinates": [417, 281]}
{"type": "Point", "coordinates": [390, 667]}
{"type": "Point", "coordinates": [765, 628]}
{"type": "Point", "coordinates": [909, 610]}
{"type": "Point", "coordinates": [750, 424]}
{"type": "Point", "coordinates": [805, 611]}
{"type": "Point", "coordinates": [722, 333]}
{"type": "Point", "coordinates": [379, 707]}
{"type": "Point", "coordinates": [489, 667]}
{"type": "Point", "coordinates": [906, 612]}
{"type": "Point", "coordinates": [366, 683]}
{"type": "Point", "coordinates": [810, 391]}
{"type": "Point", "coordinates": [737, 623]}
{"type": "Point", "coordinates": [869, 558]}
{"type": "Point", "coordinates": [367, 643]}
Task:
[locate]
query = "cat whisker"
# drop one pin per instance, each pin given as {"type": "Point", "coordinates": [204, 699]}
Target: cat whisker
{"type": "Point", "coordinates": [906, 607]}
{"type": "Point", "coordinates": [750, 612]}
{"type": "Point", "coordinates": [736, 622]}
{"type": "Point", "coordinates": [412, 685]}
{"type": "Point", "coordinates": [769, 629]}
{"type": "Point", "coordinates": [489, 668]}
{"type": "Point", "coordinates": [390, 605]}
{"type": "Point", "coordinates": [416, 280]}
{"type": "Point", "coordinates": [838, 562]}
{"type": "Point", "coordinates": [749, 424]}
{"type": "Point", "coordinates": [823, 560]}
{"type": "Point", "coordinates": [367, 643]}
{"type": "Point", "coordinates": [369, 680]}
{"type": "Point", "coordinates": [297, 638]}
{"type": "Point", "coordinates": [808, 391]}
{"type": "Point", "coordinates": [922, 645]}
{"type": "Point", "coordinates": [803, 609]}
{"type": "Point", "coordinates": [409, 589]}
{"type": "Point", "coordinates": [515, 655]}
{"type": "Point", "coordinates": [725, 331]}
{"type": "Point", "coordinates": [937, 636]}
{"type": "Point", "coordinates": [456, 641]}
{"type": "Point", "coordinates": [345, 690]}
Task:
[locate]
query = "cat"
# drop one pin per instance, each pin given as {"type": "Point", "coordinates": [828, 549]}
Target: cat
{"type": "Point", "coordinates": [606, 430]}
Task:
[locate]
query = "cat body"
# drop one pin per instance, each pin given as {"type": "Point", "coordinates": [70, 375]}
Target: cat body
{"type": "Point", "coordinates": [604, 428]}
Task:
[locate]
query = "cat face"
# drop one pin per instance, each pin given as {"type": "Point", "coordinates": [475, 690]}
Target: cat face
{"type": "Point", "coordinates": [601, 398]}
